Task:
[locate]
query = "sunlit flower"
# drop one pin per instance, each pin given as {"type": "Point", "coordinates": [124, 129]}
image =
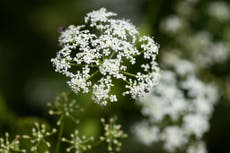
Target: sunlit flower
{"type": "Point", "coordinates": [106, 48]}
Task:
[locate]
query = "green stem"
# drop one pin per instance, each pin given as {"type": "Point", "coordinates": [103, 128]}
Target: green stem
{"type": "Point", "coordinates": [127, 81]}
{"type": "Point", "coordinates": [92, 74]}
{"type": "Point", "coordinates": [113, 53]}
{"type": "Point", "coordinates": [57, 149]}
{"type": "Point", "coordinates": [129, 74]}
{"type": "Point", "coordinates": [82, 65]}
{"type": "Point", "coordinates": [139, 53]}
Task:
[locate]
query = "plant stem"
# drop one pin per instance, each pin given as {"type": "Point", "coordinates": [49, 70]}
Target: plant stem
{"type": "Point", "coordinates": [127, 81]}
{"type": "Point", "coordinates": [59, 137]}
{"type": "Point", "coordinates": [93, 74]}
{"type": "Point", "coordinates": [129, 74]}
{"type": "Point", "coordinates": [113, 53]}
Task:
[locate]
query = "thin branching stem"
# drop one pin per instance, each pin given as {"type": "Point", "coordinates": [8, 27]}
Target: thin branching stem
{"type": "Point", "coordinates": [60, 133]}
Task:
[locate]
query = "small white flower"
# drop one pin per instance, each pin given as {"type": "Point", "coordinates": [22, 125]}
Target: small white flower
{"type": "Point", "coordinates": [112, 67]}
{"type": "Point", "coordinates": [172, 24]}
{"type": "Point", "coordinates": [198, 147]}
{"type": "Point", "coordinates": [146, 134]}
{"type": "Point", "coordinates": [113, 134]}
{"type": "Point", "coordinates": [219, 10]}
{"type": "Point", "coordinates": [144, 83]}
{"type": "Point", "coordinates": [204, 50]}
{"type": "Point", "coordinates": [98, 17]}
{"type": "Point", "coordinates": [78, 143]}
{"type": "Point", "coordinates": [7, 146]}
{"type": "Point", "coordinates": [39, 136]}
{"type": "Point", "coordinates": [195, 124]}
{"type": "Point", "coordinates": [100, 93]}
{"type": "Point", "coordinates": [79, 81]}
{"type": "Point", "coordinates": [149, 47]}
{"type": "Point", "coordinates": [174, 138]}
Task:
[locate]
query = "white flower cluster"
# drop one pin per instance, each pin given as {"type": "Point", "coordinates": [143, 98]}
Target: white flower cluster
{"type": "Point", "coordinates": [205, 47]}
{"type": "Point", "coordinates": [7, 146]}
{"type": "Point", "coordinates": [205, 51]}
{"type": "Point", "coordinates": [178, 112]}
{"type": "Point", "coordinates": [63, 107]}
{"type": "Point", "coordinates": [77, 143]}
{"type": "Point", "coordinates": [198, 147]}
{"type": "Point", "coordinates": [38, 138]}
{"type": "Point", "coordinates": [112, 135]}
{"type": "Point", "coordinates": [106, 48]}
{"type": "Point", "coordinates": [219, 10]}
{"type": "Point", "coordinates": [172, 24]}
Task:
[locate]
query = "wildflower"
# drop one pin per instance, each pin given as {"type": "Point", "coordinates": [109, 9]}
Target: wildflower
{"type": "Point", "coordinates": [172, 24]}
{"type": "Point", "coordinates": [112, 135]}
{"type": "Point", "coordinates": [101, 91]}
{"type": "Point", "coordinates": [195, 124]}
{"type": "Point", "coordinates": [177, 110]}
{"type": "Point", "coordinates": [173, 138]}
{"type": "Point", "coordinates": [7, 147]}
{"type": "Point", "coordinates": [146, 133]}
{"type": "Point", "coordinates": [198, 147]}
{"type": "Point", "coordinates": [167, 101]}
{"type": "Point", "coordinates": [106, 48]}
{"type": "Point", "coordinates": [77, 143]}
{"type": "Point", "coordinates": [204, 50]}
{"type": "Point", "coordinates": [38, 137]}
{"type": "Point", "coordinates": [219, 10]}
{"type": "Point", "coordinates": [64, 107]}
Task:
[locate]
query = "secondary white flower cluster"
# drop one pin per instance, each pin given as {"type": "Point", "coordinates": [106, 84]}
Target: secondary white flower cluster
{"type": "Point", "coordinates": [64, 107]}
{"type": "Point", "coordinates": [219, 10]}
{"type": "Point", "coordinates": [7, 146]}
{"type": "Point", "coordinates": [205, 47]}
{"type": "Point", "coordinates": [172, 25]}
{"type": "Point", "coordinates": [38, 138]}
{"type": "Point", "coordinates": [204, 50]}
{"type": "Point", "coordinates": [177, 112]}
{"type": "Point", "coordinates": [77, 143]}
{"type": "Point", "coordinates": [102, 50]}
{"type": "Point", "coordinates": [113, 134]}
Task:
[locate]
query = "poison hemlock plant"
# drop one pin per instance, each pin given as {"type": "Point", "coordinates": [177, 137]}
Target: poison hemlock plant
{"type": "Point", "coordinates": [93, 56]}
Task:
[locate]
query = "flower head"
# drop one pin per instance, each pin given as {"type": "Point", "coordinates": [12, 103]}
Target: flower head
{"type": "Point", "coordinates": [7, 146]}
{"type": "Point", "coordinates": [177, 110]}
{"type": "Point", "coordinates": [107, 48]}
{"type": "Point", "coordinates": [64, 107]}
{"type": "Point", "coordinates": [38, 137]}
{"type": "Point", "coordinates": [77, 143]}
{"type": "Point", "coordinates": [113, 134]}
